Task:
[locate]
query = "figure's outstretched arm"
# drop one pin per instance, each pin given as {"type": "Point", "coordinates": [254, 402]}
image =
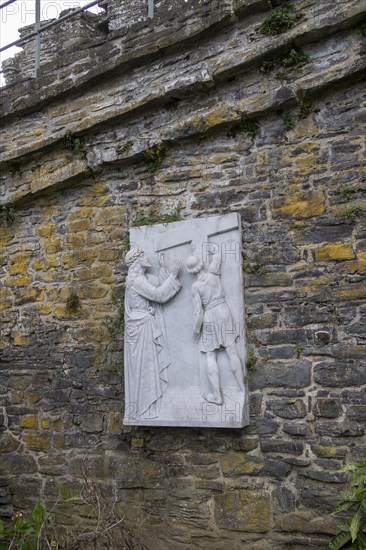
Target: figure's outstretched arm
{"type": "Point", "coordinates": [198, 313]}
{"type": "Point", "coordinates": [215, 265]}
{"type": "Point", "coordinates": [161, 293]}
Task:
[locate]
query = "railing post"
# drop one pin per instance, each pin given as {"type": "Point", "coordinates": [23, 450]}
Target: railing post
{"type": "Point", "coordinates": [150, 9]}
{"type": "Point", "coordinates": [38, 38]}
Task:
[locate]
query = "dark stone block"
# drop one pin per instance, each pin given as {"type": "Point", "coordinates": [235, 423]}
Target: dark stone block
{"type": "Point", "coordinates": [329, 450]}
{"type": "Point", "coordinates": [311, 491]}
{"type": "Point", "coordinates": [255, 404]}
{"type": "Point", "coordinates": [294, 408]}
{"type": "Point", "coordinates": [12, 464]}
{"type": "Point", "coordinates": [284, 500]}
{"type": "Point", "coordinates": [297, 429]}
{"type": "Point", "coordinates": [278, 446]}
{"type": "Point", "coordinates": [357, 412]}
{"type": "Point", "coordinates": [262, 426]}
{"type": "Point", "coordinates": [325, 233]}
{"type": "Point", "coordinates": [326, 477]}
{"type": "Point", "coordinates": [339, 374]}
{"type": "Point", "coordinates": [340, 429]}
{"type": "Point", "coordinates": [327, 407]}
{"type": "Point", "coordinates": [297, 375]}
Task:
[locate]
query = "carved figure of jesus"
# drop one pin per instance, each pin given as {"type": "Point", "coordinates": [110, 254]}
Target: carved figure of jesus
{"type": "Point", "coordinates": [146, 349]}
{"type": "Point", "coordinates": [213, 323]}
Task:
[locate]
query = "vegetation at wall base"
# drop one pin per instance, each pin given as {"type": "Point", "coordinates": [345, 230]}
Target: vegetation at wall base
{"type": "Point", "coordinates": [352, 535]}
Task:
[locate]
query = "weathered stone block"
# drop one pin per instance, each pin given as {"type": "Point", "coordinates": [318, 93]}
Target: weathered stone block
{"type": "Point", "coordinates": [243, 511]}
{"type": "Point", "coordinates": [339, 374]}
{"type": "Point", "coordinates": [327, 407]}
{"type": "Point", "coordinates": [290, 408]}
{"type": "Point", "coordinates": [340, 429]}
{"type": "Point", "coordinates": [297, 375]}
{"type": "Point", "coordinates": [286, 447]}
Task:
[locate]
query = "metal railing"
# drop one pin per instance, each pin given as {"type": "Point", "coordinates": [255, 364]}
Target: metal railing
{"type": "Point", "coordinates": [39, 29]}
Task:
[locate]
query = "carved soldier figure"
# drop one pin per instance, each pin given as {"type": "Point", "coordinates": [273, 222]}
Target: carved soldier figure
{"type": "Point", "coordinates": [213, 323]}
{"type": "Point", "coordinates": [146, 351]}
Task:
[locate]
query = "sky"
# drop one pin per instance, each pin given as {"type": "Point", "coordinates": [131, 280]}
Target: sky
{"type": "Point", "coordinates": [22, 13]}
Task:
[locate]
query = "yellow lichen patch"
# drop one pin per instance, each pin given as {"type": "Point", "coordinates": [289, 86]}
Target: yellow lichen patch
{"type": "Point", "coordinates": [315, 284]}
{"type": "Point", "coordinates": [262, 157]}
{"type": "Point", "coordinates": [304, 205]}
{"type": "Point", "coordinates": [216, 117]}
{"type": "Point", "coordinates": [306, 147]}
{"type": "Point", "coordinates": [38, 265]}
{"type": "Point", "coordinates": [19, 339]}
{"type": "Point", "coordinates": [306, 165]}
{"type": "Point", "coordinates": [80, 213]}
{"type": "Point", "coordinates": [53, 245]}
{"type": "Point", "coordinates": [80, 225]}
{"type": "Point", "coordinates": [30, 422]}
{"type": "Point", "coordinates": [18, 281]}
{"type": "Point", "coordinates": [353, 292]}
{"type": "Point", "coordinates": [334, 252]}
{"type": "Point", "coordinates": [6, 298]}
{"type": "Point", "coordinates": [76, 240]}
{"type": "Point", "coordinates": [46, 230]}
{"type": "Point", "coordinates": [28, 295]}
{"type": "Point", "coordinates": [60, 311]}
{"type": "Point", "coordinates": [45, 424]}
{"type": "Point", "coordinates": [18, 266]}
{"type": "Point", "coordinates": [236, 464]}
{"type": "Point", "coordinates": [137, 442]}
{"type": "Point", "coordinates": [44, 310]}
{"type": "Point", "coordinates": [33, 398]}
{"type": "Point", "coordinates": [37, 442]}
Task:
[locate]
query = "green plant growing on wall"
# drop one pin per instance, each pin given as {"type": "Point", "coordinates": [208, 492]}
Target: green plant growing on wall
{"type": "Point", "coordinates": [152, 217]}
{"type": "Point", "coordinates": [268, 66]}
{"type": "Point", "coordinates": [298, 350]}
{"type": "Point", "coordinates": [363, 29]}
{"type": "Point", "coordinates": [73, 142]}
{"type": "Point", "coordinates": [251, 364]}
{"type": "Point", "coordinates": [351, 535]}
{"type": "Point", "coordinates": [281, 76]}
{"type": "Point", "coordinates": [346, 192]}
{"type": "Point", "coordinates": [154, 157]}
{"type": "Point", "coordinates": [169, 218]}
{"type": "Point", "coordinates": [352, 213]}
{"type": "Point", "coordinates": [115, 324]}
{"type": "Point", "coordinates": [294, 57]}
{"type": "Point", "coordinates": [279, 21]}
{"type": "Point", "coordinates": [15, 169]}
{"type": "Point", "coordinates": [249, 125]}
{"type": "Point", "coordinates": [8, 216]}
{"type": "Point", "coordinates": [305, 108]}
{"type": "Point", "coordinates": [73, 302]}
{"type": "Point", "coordinates": [256, 268]}
{"type": "Point", "coordinates": [288, 123]}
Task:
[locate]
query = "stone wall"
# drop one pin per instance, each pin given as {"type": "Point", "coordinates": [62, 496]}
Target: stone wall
{"type": "Point", "coordinates": [236, 125]}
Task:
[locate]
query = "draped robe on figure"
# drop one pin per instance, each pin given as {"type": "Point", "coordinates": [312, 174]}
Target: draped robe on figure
{"type": "Point", "coordinates": [146, 350]}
